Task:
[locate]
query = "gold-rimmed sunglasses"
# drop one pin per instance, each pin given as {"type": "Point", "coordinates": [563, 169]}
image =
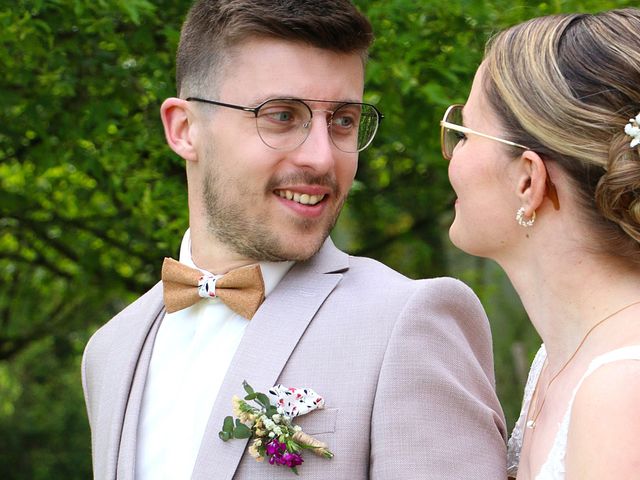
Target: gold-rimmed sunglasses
{"type": "Point", "coordinates": [452, 132]}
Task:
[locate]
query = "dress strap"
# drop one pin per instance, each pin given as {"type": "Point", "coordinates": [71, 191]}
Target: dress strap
{"type": "Point", "coordinates": [554, 467]}
{"type": "Point", "coordinates": [631, 352]}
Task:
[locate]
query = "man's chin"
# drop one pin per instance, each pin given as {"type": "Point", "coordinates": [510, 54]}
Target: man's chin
{"type": "Point", "coordinates": [303, 241]}
{"type": "Point", "coordinates": [300, 252]}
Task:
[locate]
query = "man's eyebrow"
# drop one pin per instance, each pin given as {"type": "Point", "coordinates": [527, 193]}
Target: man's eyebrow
{"type": "Point", "coordinates": [264, 98]}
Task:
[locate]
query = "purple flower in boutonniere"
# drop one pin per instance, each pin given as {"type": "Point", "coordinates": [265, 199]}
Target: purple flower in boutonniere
{"type": "Point", "coordinates": [270, 425]}
{"type": "Point", "coordinates": [277, 452]}
{"type": "Point", "coordinates": [275, 448]}
{"type": "Point", "coordinates": [291, 460]}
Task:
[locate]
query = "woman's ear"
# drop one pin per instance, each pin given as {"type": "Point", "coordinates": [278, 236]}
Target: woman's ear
{"type": "Point", "coordinates": [532, 182]}
{"type": "Point", "coordinates": [177, 124]}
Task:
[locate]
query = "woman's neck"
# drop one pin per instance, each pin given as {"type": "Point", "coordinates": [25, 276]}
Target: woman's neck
{"type": "Point", "coordinates": [566, 293]}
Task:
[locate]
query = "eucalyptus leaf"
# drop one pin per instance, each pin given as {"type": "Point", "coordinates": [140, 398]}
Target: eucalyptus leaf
{"type": "Point", "coordinates": [263, 400]}
{"type": "Point", "coordinates": [247, 387]}
{"type": "Point", "coordinates": [241, 430]}
{"type": "Point", "coordinates": [227, 425]}
{"type": "Point", "coordinates": [271, 411]}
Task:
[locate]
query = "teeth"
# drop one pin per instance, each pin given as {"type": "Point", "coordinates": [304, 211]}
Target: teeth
{"type": "Point", "coordinates": [303, 198]}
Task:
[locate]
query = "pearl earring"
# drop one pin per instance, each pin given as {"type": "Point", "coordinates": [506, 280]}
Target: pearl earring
{"type": "Point", "coordinates": [523, 222]}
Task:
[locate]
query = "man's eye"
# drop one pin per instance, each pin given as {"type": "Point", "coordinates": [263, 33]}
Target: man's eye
{"type": "Point", "coordinates": [344, 121]}
{"type": "Point", "coordinates": [280, 116]}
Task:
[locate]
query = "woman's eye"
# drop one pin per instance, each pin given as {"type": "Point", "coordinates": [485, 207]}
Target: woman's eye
{"type": "Point", "coordinates": [459, 136]}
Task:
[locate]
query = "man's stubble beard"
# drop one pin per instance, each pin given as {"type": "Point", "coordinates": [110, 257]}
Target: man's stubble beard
{"type": "Point", "coordinates": [227, 222]}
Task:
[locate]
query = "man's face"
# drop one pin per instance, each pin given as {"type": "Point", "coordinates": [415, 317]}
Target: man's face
{"type": "Point", "coordinates": [262, 203]}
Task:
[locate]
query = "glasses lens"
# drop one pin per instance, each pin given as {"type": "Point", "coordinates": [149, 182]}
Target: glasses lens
{"type": "Point", "coordinates": [353, 126]}
{"type": "Point", "coordinates": [450, 137]}
{"type": "Point", "coordinates": [282, 124]}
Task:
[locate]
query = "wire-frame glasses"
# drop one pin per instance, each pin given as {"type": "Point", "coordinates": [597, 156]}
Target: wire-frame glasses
{"type": "Point", "coordinates": [285, 123]}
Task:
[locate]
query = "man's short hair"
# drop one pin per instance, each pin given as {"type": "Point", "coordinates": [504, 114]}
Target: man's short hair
{"type": "Point", "coordinates": [214, 27]}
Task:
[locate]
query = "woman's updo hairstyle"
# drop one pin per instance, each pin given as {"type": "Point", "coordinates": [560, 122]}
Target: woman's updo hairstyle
{"type": "Point", "coordinates": [566, 86]}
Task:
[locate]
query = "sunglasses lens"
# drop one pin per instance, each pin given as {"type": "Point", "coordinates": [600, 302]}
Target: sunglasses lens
{"type": "Point", "coordinates": [450, 137]}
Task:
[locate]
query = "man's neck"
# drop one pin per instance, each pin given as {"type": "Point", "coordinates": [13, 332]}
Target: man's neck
{"type": "Point", "coordinates": [209, 254]}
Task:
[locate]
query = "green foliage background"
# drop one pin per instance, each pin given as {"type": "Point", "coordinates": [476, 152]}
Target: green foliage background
{"type": "Point", "coordinates": [91, 198]}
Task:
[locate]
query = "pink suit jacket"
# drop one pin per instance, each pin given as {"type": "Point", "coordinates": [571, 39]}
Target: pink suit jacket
{"type": "Point", "coordinates": [405, 367]}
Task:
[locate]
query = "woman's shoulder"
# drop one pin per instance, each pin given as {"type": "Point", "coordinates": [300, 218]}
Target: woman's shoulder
{"type": "Point", "coordinates": [611, 378]}
{"type": "Point", "coordinates": [605, 426]}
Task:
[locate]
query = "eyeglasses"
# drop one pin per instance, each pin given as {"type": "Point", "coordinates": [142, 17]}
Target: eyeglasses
{"type": "Point", "coordinates": [285, 123]}
{"type": "Point", "coordinates": [452, 132]}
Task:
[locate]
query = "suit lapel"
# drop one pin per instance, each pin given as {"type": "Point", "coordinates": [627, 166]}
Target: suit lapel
{"type": "Point", "coordinates": [266, 346]}
{"type": "Point", "coordinates": [128, 442]}
{"type": "Point", "coordinates": [117, 382]}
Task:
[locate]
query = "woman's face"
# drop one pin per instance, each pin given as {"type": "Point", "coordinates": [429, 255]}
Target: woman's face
{"type": "Point", "coordinates": [482, 176]}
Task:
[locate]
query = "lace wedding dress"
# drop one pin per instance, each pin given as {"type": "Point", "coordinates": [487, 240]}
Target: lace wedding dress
{"type": "Point", "coordinates": [553, 467]}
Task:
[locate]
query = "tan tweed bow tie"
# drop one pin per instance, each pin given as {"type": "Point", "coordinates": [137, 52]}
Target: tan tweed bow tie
{"type": "Point", "coordinates": [241, 289]}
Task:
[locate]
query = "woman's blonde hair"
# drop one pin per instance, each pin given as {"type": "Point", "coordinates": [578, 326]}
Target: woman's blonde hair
{"type": "Point", "coordinates": [566, 86]}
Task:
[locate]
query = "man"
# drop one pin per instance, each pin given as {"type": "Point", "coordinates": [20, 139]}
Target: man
{"type": "Point", "coordinates": [269, 121]}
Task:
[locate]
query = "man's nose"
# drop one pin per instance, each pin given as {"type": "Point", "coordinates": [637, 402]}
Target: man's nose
{"type": "Point", "coordinates": [317, 152]}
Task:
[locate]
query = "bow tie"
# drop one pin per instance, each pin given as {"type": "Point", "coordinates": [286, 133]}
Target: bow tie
{"type": "Point", "coordinates": [241, 289]}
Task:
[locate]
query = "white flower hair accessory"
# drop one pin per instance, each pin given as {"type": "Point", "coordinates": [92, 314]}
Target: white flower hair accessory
{"type": "Point", "coordinates": [633, 130]}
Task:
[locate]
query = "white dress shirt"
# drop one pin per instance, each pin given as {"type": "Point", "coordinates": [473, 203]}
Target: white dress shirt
{"type": "Point", "coordinates": [191, 355]}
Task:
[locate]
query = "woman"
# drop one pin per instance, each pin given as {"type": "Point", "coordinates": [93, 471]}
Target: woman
{"type": "Point", "coordinates": [545, 162]}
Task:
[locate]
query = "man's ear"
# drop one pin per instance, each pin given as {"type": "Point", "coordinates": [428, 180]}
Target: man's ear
{"type": "Point", "coordinates": [178, 128]}
{"type": "Point", "coordinates": [532, 182]}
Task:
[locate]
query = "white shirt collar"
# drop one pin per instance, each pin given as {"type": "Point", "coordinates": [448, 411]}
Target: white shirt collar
{"type": "Point", "coordinates": [272, 272]}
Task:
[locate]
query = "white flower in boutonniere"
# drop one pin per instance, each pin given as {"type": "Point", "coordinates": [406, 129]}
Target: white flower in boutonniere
{"type": "Point", "coordinates": [270, 425]}
{"type": "Point", "coordinates": [633, 130]}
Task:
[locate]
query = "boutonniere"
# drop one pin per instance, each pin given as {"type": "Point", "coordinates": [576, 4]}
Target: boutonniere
{"type": "Point", "coordinates": [269, 421]}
